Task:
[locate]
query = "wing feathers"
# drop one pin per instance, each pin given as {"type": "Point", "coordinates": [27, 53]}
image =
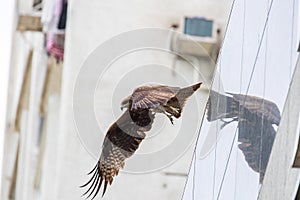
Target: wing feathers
{"type": "Point", "coordinates": [259, 106]}
{"type": "Point", "coordinates": [99, 186]}
{"type": "Point", "coordinates": [95, 186]}
{"type": "Point", "coordinates": [121, 141]}
{"type": "Point", "coordinates": [255, 131]}
{"type": "Point", "coordinates": [151, 96]}
{"type": "Point", "coordinates": [104, 190]}
{"type": "Point", "coordinates": [89, 180]}
{"type": "Point", "coordinates": [92, 170]}
{"type": "Point", "coordinates": [125, 135]}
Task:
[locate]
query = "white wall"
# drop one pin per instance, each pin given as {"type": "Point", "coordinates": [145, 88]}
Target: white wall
{"type": "Point", "coordinates": [90, 24]}
{"type": "Point", "coordinates": [7, 24]}
{"type": "Point", "coordinates": [27, 137]}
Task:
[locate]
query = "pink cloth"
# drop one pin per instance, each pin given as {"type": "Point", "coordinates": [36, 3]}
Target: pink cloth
{"type": "Point", "coordinates": [55, 45]}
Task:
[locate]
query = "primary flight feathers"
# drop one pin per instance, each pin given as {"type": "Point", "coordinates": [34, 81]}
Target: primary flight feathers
{"type": "Point", "coordinates": [125, 135]}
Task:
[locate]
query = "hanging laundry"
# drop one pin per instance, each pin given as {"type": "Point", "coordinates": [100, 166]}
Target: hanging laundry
{"type": "Point", "coordinates": [52, 10]}
{"type": "Point", "coordinates": [63, 15]}
{"type": "Point", "coordinates": [55, 45]}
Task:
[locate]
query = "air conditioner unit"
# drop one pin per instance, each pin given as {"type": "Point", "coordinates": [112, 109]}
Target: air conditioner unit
{"type": "Point", "coordinates": [199, 39]}
{"type": "Point", "coordinates": [196, 46]}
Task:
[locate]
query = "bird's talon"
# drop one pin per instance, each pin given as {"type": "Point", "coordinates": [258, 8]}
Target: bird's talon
{"type": "Point", "coordinates": [171, 119]}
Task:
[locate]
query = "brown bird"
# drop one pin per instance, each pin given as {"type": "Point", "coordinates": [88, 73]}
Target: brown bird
{"type": "Point", "coordinates": [125, 135]}
{"type": "Point", "coordinates": [255, 117]}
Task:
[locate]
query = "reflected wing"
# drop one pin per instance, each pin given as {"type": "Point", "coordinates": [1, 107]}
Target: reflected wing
{"type": "Point", "coordinates": [151, 96]}
{"type": "Point", "coordinates": [121, 141]}
{"type": "Point", "coordinates": [256, 139]}
{"type": "Point", "coordinates": [259, 106]}
{"type": "Point", "coordinates": [222, 106]}
{"type": "Point", "coordinates": [255, 119]}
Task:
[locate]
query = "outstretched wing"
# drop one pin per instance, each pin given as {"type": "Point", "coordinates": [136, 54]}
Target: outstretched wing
{"type": "Point", "coordinates": [255, 118]}
{"type": "Point", "coordinates": [256, 141]}
{"type": "Point", "coordinates": [221, 106]}
{"type": "Point", "coordinates": [259, 106]}
{"type": "Point", "coordinates": [151, 96]}
{"type": "Point", "coordinates": [121, 141]}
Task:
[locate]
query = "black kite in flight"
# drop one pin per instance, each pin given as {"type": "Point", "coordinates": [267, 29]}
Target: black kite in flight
{"type": "Point", "coordinates": [125, 135]}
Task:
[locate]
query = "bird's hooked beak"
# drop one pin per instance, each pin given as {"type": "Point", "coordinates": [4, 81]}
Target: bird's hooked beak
{"type": "Point", "coordinates": [125, 103]}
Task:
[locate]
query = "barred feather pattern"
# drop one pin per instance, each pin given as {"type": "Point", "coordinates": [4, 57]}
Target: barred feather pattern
{"type": "Point", "coordinates": [121, 141]}
{"type": "Point", "coordinates": [125, 135]}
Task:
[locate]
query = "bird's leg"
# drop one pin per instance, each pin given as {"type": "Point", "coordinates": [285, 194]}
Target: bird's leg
{"type": "Point", "coordinates": [162, 110]}
{"type": "Point", "coordinates": [170, 117]}
{"type": "Point", "coordinates": [225, 123]}
{"type": "Point", "coordinates": [176, 110]}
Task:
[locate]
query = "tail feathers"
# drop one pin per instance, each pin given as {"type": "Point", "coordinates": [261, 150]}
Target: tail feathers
{"type": "Point", "coordinates": [196, 86]}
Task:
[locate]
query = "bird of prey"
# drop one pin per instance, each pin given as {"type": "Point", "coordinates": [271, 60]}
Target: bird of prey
{"type": "Point", "coordinates": [255, 117]}
{"type": "Point", "coordinates": [125, 135]}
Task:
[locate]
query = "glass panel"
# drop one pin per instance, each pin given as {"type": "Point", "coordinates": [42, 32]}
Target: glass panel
{"type": "Point", "coordinates": [245, 103]}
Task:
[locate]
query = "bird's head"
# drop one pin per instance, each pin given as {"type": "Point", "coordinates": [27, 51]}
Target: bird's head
{"type": "Point", "coordinates": [126, 102]}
